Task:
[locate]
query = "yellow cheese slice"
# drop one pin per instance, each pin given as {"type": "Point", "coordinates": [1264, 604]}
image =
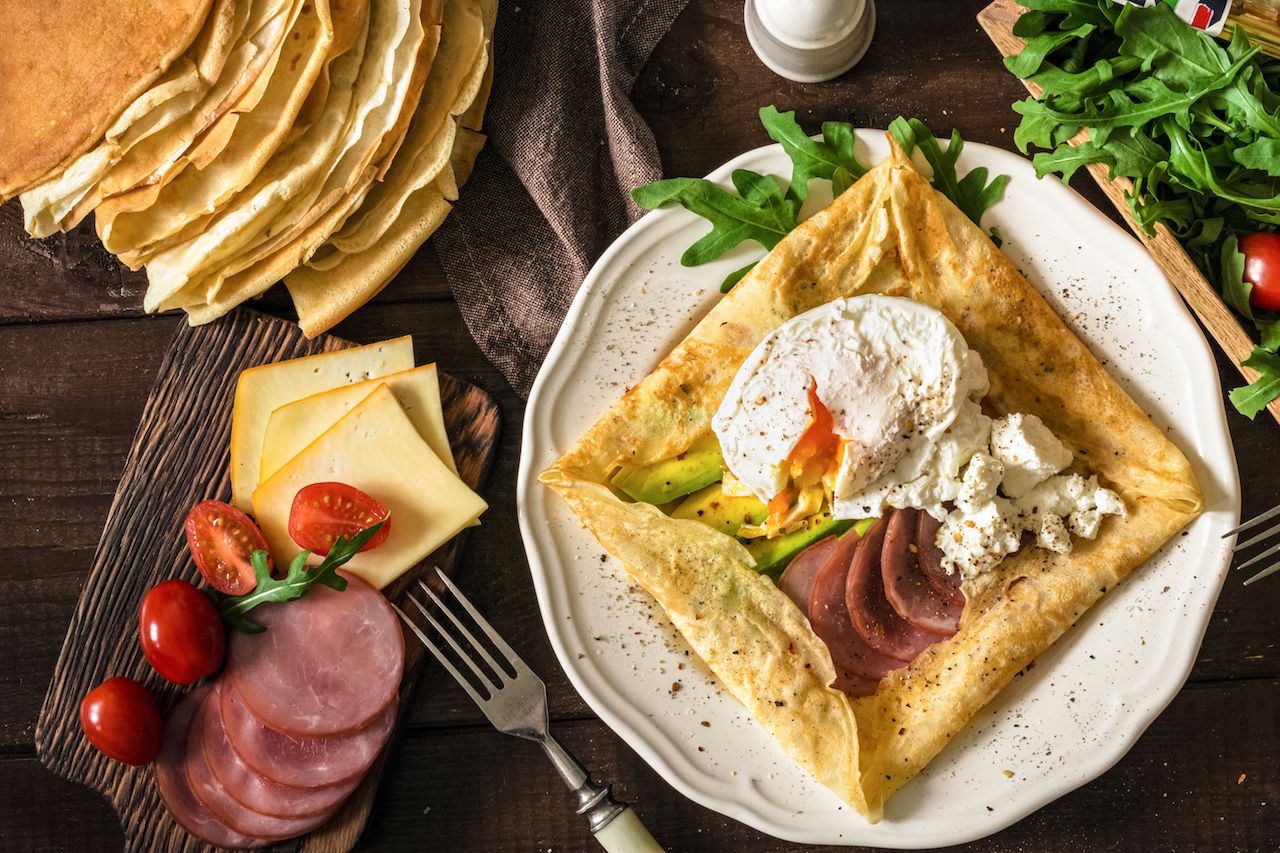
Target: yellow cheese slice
{"type": "Point", "coordinates": [295, 425]}
{"type": "Point", "coordinates": [264, 389]}
{"type": "Point", "coordinates": [377, 449]}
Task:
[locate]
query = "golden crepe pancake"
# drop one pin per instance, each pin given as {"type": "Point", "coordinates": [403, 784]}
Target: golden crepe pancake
{"type": "Point", "coordinates": [66, 78]}
{"type": "Point", "coordinates": [890, 233]}
{"type": "Point", "coordinates": [309, 181]}
{"type": "Point", "coordinates": [240, 39]}
{"type": "Point", "coordinates": [135, 227]}
{"type": "Point", "coordinates": [325, 298]}
{"type": "Point", "coordinates": [402, 211]}
{"type": "Point", "coordinates": [287, 126]}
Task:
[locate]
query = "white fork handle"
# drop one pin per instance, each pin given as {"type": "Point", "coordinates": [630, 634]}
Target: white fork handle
{"type": "Point", "coordinates": [626, 834]}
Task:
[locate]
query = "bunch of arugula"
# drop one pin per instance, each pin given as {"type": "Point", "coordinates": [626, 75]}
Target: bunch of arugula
{"type": "Point", "coordinates": [765, 212]}
{"type": "Point", "coordinates": [1194, 122]}
{"type": "Point", "coordinates": [296, 582]}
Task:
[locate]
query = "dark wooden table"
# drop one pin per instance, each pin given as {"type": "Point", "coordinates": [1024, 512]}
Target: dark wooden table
{"type": "Point", "coordinates": [77, 357]}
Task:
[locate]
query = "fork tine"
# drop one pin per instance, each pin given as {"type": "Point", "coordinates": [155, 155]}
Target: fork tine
{"type": "Point", "coordinates": [440, 656]}
{"type": "Point", "coordinates": [493, 635]}
{"type": "Point", "coordinates": [457, 623]}
{"type": "Point", "coordinates": [1269, 570]}
{"type": "Point", "coordinates": [1261, 556]}
{"type": "Point", "coordinates": [1254, 522]}
{"type": "Point", "coordinates": [491, 683]}
{"type": "Point", "coordinates": [1270, 531]}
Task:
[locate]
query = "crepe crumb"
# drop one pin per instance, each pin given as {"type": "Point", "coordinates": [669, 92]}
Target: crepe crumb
{"type": "Point", "coordinates": [1008, 774]}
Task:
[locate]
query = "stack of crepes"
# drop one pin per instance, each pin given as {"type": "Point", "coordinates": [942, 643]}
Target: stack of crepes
{"type": "Point", "coordinates": [228, 144]}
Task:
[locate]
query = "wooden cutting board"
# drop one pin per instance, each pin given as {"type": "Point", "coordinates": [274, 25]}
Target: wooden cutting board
{"type": "Point", "coordinates": [997, 20]}
{"type": "Point", "coordinates": [180, 456]}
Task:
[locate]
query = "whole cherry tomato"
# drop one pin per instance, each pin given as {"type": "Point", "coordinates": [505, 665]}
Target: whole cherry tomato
{"type": "Point", "coordinates": [222, 539]}
{"type": "Point", "coordinates": [121, 719]}
{"type": "Point", "coordinates": [181, 632]}
{"type": "Point", "coordinates": [322, 512]}
{"type": "Point", "coordinates": [1262, 268]}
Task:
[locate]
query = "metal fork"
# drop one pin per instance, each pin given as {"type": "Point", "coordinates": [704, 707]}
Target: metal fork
{"type": "Point", "coordinates": [1254, 540]}
{"type": "Point", "coordinates": [518, 706]}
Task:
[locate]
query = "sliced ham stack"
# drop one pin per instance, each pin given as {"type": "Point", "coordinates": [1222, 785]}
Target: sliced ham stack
{"type": "Point", "coordinates": [876, 601]}
{"type": "Point", "coordinates": [273, 748]}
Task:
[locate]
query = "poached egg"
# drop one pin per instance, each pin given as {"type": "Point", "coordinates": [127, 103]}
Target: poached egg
{"type": "Point", "coordinates": [838, 399]}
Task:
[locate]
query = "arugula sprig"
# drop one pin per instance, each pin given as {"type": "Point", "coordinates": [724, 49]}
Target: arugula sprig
{"type": "Point", "coordinates": [764, 212]}
{"type": "Point", "coordinates": [295, 583]}
{"type": "Point", "coordinates": [1194, 123]}
{"type": "Point", "coordinates": [973, 194]}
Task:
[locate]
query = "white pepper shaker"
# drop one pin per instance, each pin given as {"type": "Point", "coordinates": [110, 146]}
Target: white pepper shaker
{"type": "Point", "coordinates": [810, 40]}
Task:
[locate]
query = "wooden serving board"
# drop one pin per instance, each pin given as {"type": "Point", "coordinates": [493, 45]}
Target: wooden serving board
{"type": "Point", "coordinates": [997, 20]}
{"type": "Point", "coordinates": [180, 456]}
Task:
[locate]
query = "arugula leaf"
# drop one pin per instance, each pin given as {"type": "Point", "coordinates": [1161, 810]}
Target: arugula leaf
{"type": "Point", "coordinates": [763, 212]}
{"type": "Point", "coordinates": [1254, 397]}
{"type": "Point", "coordinates": [764, 217]}
{"type": "Point", "coordinates": [1194, 123]}
{"type": "Point", "coordinates": [295, 583]}
{"type": "Point", "coordinates": [972, 193]}
{"type": "Point", "coordinates": [1235, 290]}
{"type": "Point", "coordinates": [1262, 154]}
{"type": "Point", "coordinates": [812, 158]}
{"type": "Point", "coordinates": [1032, 56]}
{"type": "Point", "coordinates": [1175, 53]}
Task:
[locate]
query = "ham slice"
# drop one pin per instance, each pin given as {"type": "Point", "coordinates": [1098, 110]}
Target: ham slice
{"type": "Point", "coordinates": [859, 667]}
{"type": "Point", "coordinates": [252, 789]}
{"type": "Point", "coordinates": [329, 663]}
{"type": "Point", "coordinates": [171, 778]}
{"type": "Point", "coordinates": [300, 761]}
{"type": "Point", "coordinates": [797, 580]}
{"type": "Point", "coordinates": [872, 616]}
{"type": "Point", "coordinates": [219, 801]}
{"type": "Point", "coordinates": [930, 557]}
{"type": "Point", "coordinates": [908, 589]}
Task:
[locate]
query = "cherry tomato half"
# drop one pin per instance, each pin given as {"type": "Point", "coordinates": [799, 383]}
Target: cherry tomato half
{"type": "Point", "coordinates": [1262, 268]}
{"type": "Point", "coordinates": [182, 635]}
{"type": "Point", "coordinates": [322, 512]}
{"type": "Point", "coordinates": [121, 719]}
{"type": "Point", "coordinates": [221, 539]}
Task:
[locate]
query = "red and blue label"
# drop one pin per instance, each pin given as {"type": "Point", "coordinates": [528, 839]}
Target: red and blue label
{"type": "Point", "coordinates": [1207, 15]}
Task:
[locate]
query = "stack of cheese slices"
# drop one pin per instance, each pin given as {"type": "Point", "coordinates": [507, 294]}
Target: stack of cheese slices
{"type": "Point", "coordinates": [366, 417]}
{"type": "Point", "coordinates": [242, 142]}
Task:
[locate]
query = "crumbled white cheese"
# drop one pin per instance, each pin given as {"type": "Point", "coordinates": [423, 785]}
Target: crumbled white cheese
{"type": "Point", "coordinates": [1081, 501]}
{"type": "Point", "coordinates": [1029, 451]}
{"type": "Point", "coordinates": [1050, 530]}
{"type": "Point", "coordinates": [973, 541]}
{"type": "Point", "coordinates": [981, 479]}
{"type": "Point", "coordinates": [929, 475]}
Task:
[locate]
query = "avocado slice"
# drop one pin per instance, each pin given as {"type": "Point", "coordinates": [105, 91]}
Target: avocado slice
{"type": "Point", "coordinates": [722, 512]}
{"type": "Point", "coordinates": [773, 555]}
{"type": "Point", "coordinates": [664, 481]}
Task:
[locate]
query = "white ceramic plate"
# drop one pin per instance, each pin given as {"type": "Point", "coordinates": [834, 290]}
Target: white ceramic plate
{"type": "Point", "coordinates": [1086, 700]}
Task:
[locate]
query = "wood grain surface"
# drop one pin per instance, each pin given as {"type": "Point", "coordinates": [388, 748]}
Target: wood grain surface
{"type": "Point", "coordinates": [180, 455]}
{"type": "Point", "coordinates": [1221, 322]}
{"type": "Point", "coordinates": [77, 358]}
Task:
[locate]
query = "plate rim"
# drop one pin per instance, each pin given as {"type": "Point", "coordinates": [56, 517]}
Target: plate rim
{"type": "Point", "coordinates": [1073, 778]}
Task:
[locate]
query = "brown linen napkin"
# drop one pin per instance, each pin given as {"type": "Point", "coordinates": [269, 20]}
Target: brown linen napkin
{"type": "Point", "coordinates": [551, 188]}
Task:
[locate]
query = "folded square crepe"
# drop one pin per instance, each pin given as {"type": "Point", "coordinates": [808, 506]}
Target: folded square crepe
{"type": "Point", "coordinates": [890, 233]}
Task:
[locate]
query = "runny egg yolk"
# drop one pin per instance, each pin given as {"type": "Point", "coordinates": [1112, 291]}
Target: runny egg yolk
{"type": "Point", "coordinates": [816, 455]}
